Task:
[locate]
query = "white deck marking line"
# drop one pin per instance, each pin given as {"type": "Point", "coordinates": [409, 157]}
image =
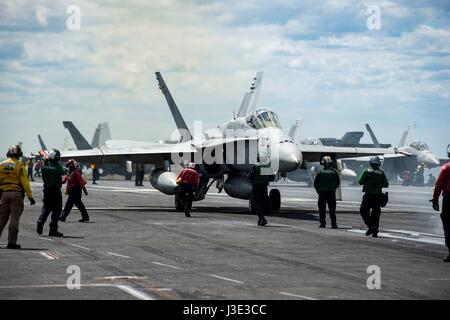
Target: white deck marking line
{"type": "Point", "coordinates": [134, 292]}
{"type": "Point", "coordinates": [78, 246]}
{"type": "Point", "coordinates": [130, 290]}
{"type": "Point", "coordinates": [421, 239]}
{"type": "Point", "coordinates": [223, 278]}
{"type": "Point", "coordinates": [49, 256]}
{"type": "Point", "coordinates": [118, 255]}
{"type": "Point", "coordinates": [122, 277]}
{"type": "Point", "coordinates": [297, 296]}
{"type": "Point", "coordinates": [167, 265]}
{"type": "Point", "coordinates": [47, 239]}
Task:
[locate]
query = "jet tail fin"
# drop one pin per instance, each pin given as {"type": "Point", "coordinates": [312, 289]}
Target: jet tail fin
{"type": "Point", "coordinates": [295, 131]}
{"type": "Point", "coordinates": [251, 98]}
{"type": "Point", "coordinates": [372, 135]}
{"type": "Point", "coordinates": [405, 137]}
{"type": "Point", "coordinates": [41, 142]}
{"type": "Point", "coordinates": [80, 142]}
{"type": "Point", "coordinates": [101, 135]}
{"type": "Point", "coordinates": [179, 121]}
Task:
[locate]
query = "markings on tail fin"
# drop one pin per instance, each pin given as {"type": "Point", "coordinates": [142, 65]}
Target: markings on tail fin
{"type": "Point", "coordinates": [179, 121]}
{"type": "Point", "coordinates": [251, 98]}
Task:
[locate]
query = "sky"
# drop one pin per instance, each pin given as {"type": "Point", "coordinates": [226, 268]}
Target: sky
{"type": "Point", "coordinates": [327, 62]}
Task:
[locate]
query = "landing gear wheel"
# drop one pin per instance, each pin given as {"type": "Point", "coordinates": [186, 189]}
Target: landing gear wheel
{"type": "Point", "coordinates": [275, 199]}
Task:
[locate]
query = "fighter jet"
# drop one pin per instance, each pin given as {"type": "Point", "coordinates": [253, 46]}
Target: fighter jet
{"type": "Point", "coordinates": [226, 153]}
{"type": "Point", "coordinates": [407, 156]}
{"type": "Point", "coordinates": [309, 170]}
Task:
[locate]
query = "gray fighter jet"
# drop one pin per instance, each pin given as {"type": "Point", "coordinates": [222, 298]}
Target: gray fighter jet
{"type": "Point", "coordinates": [225, 154]}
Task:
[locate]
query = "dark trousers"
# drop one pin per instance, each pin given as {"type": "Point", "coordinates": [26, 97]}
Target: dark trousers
{"type": "Point", "coordinates": [186, 195]}
{"type": "Point", "coordinates": [30, 174]}
{"type": "Point", "coordinates": [327, 198]}
{"type": "Point", "coordinates": [445, 216]}
{"type": "Point", "coordinates": [370, 210]}
{"type": "Point", "coordinates": [139, 181]}
{"type": "Point", "coordinates": [75, 199]}
{"type": "Point", "coordinates": [53, 205]}
{"type": "Point", "coordinates": [260, 200]}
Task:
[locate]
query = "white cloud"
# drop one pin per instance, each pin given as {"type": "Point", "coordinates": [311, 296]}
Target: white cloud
{"type": "Point", "coordinates": [104, 72]}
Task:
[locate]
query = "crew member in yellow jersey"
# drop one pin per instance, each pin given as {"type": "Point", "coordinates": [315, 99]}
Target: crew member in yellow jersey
{"type": "Point", "coordinates": [14, 185]}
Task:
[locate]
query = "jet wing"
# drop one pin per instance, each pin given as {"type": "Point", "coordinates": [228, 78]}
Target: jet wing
{"type": "Point", "coordinates": [143, 152]}
{"type": "Point", "coordinates": [313, 153]}
{"type": "Point", "coordinates": [151, 153]}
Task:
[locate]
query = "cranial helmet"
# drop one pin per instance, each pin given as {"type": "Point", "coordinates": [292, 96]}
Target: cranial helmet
{"type": "Point", "coordinates": [14, 151]}
{"type": "Point", "coordinates": [375, 161]}
{"type": "Point", "coordinates": [326, 160]}
{"type": "Point", "coordinates": [72, 164]}
{"type": "Point", "coordinates": [54, 155]}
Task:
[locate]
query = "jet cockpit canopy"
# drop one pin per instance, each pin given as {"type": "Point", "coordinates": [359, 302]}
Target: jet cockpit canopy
{"type": "Point", "coordinates": [263, 118]}
{"type": "Point", "coordinates": [312, 142]}
{"type": "Point", "coordinates": [419, 145]}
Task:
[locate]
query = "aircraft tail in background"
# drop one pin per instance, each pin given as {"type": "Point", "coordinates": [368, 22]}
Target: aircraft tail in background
{"type": "Point", "coordinates": [101, 135]}
{"type": "Point", "coordinates": [41, 142]}
{"type": "Point", "coordinates": [80, 142]}
{"type": "Point", "coordinates": [295, 131]}
{"type": "Point", "coordinates": [405, 137]}
{"type": "Point", "coordinates": [372, 135]}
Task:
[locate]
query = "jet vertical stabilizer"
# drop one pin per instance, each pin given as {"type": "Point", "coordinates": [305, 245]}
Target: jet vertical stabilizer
{"type": "Point", "coordinates": [295, 131]}
{"type": "Point", "coordinates": [372, 135]}
{"type": "Point", "coordinates": [41, 142]}
{"type": "Point", "coordinates": [405, 137]}
{"type": "Point", "coordinates": [101, 135]}
{"type": "Point", "coordinates": [181, 124]}
{"type": "Point", "coordinates": [251, 97]}
{"type": "Point", "coordinates": [80, 142]}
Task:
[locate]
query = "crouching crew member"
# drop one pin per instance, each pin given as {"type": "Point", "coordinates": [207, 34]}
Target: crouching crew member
{"type": "Point", "coordinates": [13, 184]}
{"type": "Point", "coordinates": [75, 184]}
{"type": "Point", "coordinates": [373, 180]}
{"type": "Point", "coordinates": [52, 173]}
{"type": "Point", "coordinates": [443, 186]}
{"type": "Point", "coordinates": [326, 183]}
{"type": "Point", "coordinates": [188, 181]}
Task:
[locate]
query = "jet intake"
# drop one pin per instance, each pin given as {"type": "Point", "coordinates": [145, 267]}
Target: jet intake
{"type": "Point", "coordinates": [238, 187]}
{"type": "Point", "coordinates": [164, 181]}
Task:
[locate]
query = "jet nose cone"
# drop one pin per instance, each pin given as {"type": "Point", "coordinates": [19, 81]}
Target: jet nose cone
{"type": "Point", "coordinates": [290, 157]}
{"type": "Point", "coordinates": [432, 159]}
{"type": "Point", "coordinates": [348, 173]}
